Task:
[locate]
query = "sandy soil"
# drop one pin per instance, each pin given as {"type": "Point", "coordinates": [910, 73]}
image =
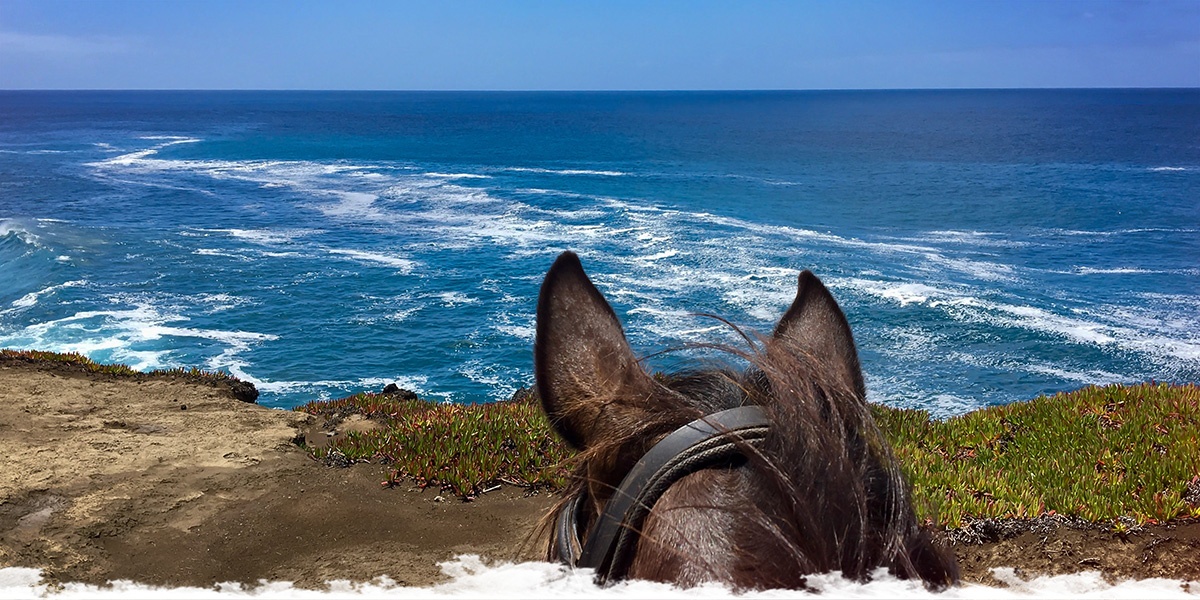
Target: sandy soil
{"type": "Point", "coordinates": [170, 480]}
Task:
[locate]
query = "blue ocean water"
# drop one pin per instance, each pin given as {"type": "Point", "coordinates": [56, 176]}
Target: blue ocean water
{"type": "Point", "coordinates": [987, 246]}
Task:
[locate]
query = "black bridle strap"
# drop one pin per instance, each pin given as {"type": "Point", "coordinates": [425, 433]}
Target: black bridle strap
{"type": "Point", "coordinates": [703, 442]}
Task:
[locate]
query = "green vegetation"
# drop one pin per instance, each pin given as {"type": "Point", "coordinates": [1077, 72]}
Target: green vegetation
{"type": "Point", "coordinates": [1099, 453]}
{"type": "Point", "coordinates": [78, 361]}
{"type": "Point", "coordinates": [460, 448]}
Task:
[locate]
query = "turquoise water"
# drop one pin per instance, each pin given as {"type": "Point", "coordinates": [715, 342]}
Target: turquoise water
{"type": "Point", "coordinates": [987, 246]}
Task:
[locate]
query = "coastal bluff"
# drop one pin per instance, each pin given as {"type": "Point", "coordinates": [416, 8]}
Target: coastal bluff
{"type": "Point", "coordinates": [169, 479]}
{"type": "Point", "coordinates": [173, 480]}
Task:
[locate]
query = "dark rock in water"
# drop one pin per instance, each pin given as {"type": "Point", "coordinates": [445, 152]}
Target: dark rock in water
{"type": "Point", "coordinates": [524, 394]}
{"type": "Point", "coordinates": [244, 391]}
{"type": "Point", "coordinates": [394, 390]}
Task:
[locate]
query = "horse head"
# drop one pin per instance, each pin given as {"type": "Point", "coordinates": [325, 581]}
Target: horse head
{"type": "Point", "coordinates": [805, 484]}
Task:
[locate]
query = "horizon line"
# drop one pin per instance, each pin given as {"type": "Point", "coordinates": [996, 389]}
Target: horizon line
{"type": "Point", "coordinates": [602, 91]}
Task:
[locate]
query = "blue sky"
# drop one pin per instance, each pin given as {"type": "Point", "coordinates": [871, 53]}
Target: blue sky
{"type": "Point", "coordinates": [591, 45]}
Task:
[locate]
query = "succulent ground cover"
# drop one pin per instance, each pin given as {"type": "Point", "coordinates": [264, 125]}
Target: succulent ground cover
{"type": "Point", "coordinates": [1098, 453]}
{"type": "Point", "coordinates": [74, 363]}
{"type": "Point", "coordinates": [80, 362]}
{"type": "Point", "coordinates": [464, 449]}
{"type": "Point", "coordinates": [1118, 454]}
{"type": "Point", "coordinates": [1112, 454]}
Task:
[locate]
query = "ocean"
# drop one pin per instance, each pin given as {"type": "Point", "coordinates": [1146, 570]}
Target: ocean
{"type": "Point", "coordinates": [987, 246]}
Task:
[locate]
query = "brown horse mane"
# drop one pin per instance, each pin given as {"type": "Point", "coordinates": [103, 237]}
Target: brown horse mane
{"type": "Point", "coordinates": [825, 458]}
{"type": "Point", "coordinates": [821, 492]}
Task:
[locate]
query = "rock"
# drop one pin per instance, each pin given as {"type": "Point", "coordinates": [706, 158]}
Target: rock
{"type": "Point", "coordinates": [244, 391]}
{"type": "Point", "coordinates": [395, 390]}
{"type": "Point", "coordinates": [524, 394]}
{"type": "Point", "coordinates": [336, 458]}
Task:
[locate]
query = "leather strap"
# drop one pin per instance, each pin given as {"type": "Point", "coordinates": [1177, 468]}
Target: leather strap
{"type": "Point", "coordinates": [701, 443]}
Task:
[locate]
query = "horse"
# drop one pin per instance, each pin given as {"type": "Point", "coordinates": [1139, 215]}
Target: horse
{"type": "Point", "coordinates": [752, 478]}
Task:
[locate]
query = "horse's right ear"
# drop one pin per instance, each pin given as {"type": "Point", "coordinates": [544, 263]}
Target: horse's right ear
{"type": "Point", "coordinates": [815, 327]}
{"type": "Point", "coordinates": [588, 378]}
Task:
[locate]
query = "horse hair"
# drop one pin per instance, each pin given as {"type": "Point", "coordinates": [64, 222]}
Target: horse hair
{"type": "Point", "coordinates": [822, 492]}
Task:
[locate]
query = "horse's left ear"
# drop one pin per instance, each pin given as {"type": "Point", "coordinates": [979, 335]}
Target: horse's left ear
{"type": "Point", "coordinates": [815, 327]}
{"type": "Point", "coordinates": [588, 378]}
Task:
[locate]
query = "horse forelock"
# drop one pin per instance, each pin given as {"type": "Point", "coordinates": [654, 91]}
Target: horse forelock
{"type": "Point", "coordinates": [822, 492]}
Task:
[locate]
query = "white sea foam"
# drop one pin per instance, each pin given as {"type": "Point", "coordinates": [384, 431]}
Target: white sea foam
{"type": "Point", "coordinates": [122, 334]}
{"type": "Point", "coordinates": [969, 238]}
{"type": "Point", "coordinates": [904, 293]}
{"type": "Point", "coordinates": [796, 233]}
{"type": "Point", "coordinates": [1079, 232]}
{"type": "Point", "coordinates": [32, 298]}
{"type": "Point", "coordinates": [522, 332]}
{"type": "Point", "coordinates": [764, 303]}
{"type": "Point", "coordinates": [403, 314]}
{"type": "Point", "coordinates": [452, 299]}
{"type": "Point", "coordinates": [659, 256]}
{"type": "Point", "coordinates": [305, 177]}
{"type": "Point", "coordinates": [457, 175]}
{"type": "Point", "coordinates": [18, 229]}
{"type": "Point", "coordinates": [569, 215]}
{"type": "Point", "coordinates": [404, 265]}
{"type": "Point", "coordinates": [266, 237]}
{"type": "Point", "coordinates": [567, 171]}
{"type": "Point", "coordinates": [134, 157]}
{"type": "Point", "coordinates": [237, 339]}
{"type": "Point", "coordinates": [112, 179]}
{"type": "Point", "coordinates": [353, 205]}
{"type": "Point", "coordinates": [949, 404]}
{"type": "Point", "coordinates": [1184, 301]}
{"type": "Point", "coordinates": [471, 577]}
{"type": "Point", "coordinates": [460, 230]}
{"type": "Point", "coordinates": [219, 252]}
{"type": "Point", "coordinates": [971, 308]}
{"type": "Point", "coordinates": [498, 379]}
{"type": "Point", "coordinates": [1094, 377]}
{"type": "Point", "coordinates": [987, 271]}
{"type": "Point", "coordinates": [1171, 169]}
{"type": "Point", "coordinates": [687, 333]}
{"type": "Point", "coordinates": [909, 343]}
{"type": "Point", "coordinates": [724, 259]}
{"type": "Point", "coordinates": [220, 302]}
{"type": "Point", "coordinates": [1038, 319]}
{"type": "Point", "coordinates": [324, 387]}
{"type": "Point", "coordinates": [1113, 271]}
{"type": "Point", "coordinates": [1097, 329]}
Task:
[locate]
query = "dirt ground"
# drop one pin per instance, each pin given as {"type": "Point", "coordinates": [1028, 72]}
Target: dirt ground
{"type": "Point", "coordinates": [172, 481]}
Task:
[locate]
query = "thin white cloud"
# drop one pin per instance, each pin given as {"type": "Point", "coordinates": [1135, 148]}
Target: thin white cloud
{"type": "Point", "coordinates": [64, 46]}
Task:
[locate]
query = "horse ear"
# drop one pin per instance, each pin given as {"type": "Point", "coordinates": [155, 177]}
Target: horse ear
{"type": "Point", "coordinates": [814, 327]}
{"type": "Point", "coordinates": [588, 378]}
